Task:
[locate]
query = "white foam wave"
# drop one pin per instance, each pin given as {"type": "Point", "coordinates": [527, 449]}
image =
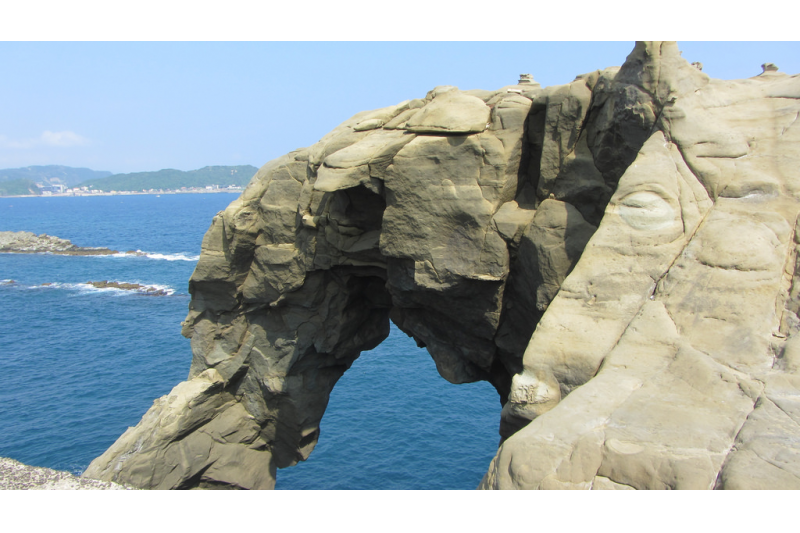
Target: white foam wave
{"type": "Point", "coordinates": [154, 255]}
{"type": "Point", "coordinates": [166, 288]}
{"type": "Point", "coordinates": [172, 257]}
{"type": "Point", "coordinates": [50, 286]}
{"type": "Point", "coordinates": [163, 290]}
{"type": "Point", "coordinates": [80, 287]}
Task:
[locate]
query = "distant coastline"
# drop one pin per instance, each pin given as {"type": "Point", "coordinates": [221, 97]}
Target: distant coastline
{"type": "Point", "coordinates": [194, 190]}
{"type": "Point", "coordinates": [55, 180]}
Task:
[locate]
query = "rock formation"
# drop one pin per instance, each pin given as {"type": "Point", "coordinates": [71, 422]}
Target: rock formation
{"type": "Point", "coordinates": [617, 256]}
{"type": "Point", "coordinates": [25, 242]}
{"type": "Point", "coordinates": [147, 290]}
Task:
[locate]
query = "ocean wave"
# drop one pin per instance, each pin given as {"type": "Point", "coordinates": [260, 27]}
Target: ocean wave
{"type": "Point", "coordinates": [88, 287]}
{"type": "Point", "coordinates": [154, 255]}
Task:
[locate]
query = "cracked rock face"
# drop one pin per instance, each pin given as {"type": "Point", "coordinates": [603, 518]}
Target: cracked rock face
{"type": "Point", "coordinates": [617, 256]}
{"type": "Point", "coordinates": [664, 361]}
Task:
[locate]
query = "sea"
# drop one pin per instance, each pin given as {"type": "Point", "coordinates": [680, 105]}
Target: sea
{"type": "Point", "coordinates": [79, 365]}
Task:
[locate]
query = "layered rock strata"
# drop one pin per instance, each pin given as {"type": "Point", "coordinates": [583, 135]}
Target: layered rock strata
{"type": "Point", "coordinates": [615, 255]}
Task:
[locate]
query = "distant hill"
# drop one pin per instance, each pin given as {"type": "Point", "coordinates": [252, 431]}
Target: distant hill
{"type": "Point", "coordinates": [18, 188]}
{"type": "Point", "coordinates": [174, 179]}
{"type": "Point", "coordinates": [68, 175]}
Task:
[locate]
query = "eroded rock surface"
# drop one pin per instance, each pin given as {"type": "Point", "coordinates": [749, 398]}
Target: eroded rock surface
{"type": "Point", "coordinates": [615, 255]}
{"type": "Point", "coordinates": [664, 359]}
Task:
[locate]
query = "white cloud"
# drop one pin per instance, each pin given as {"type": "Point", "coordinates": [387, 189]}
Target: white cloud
{"type": "Point", "coordinates": [47, 138]}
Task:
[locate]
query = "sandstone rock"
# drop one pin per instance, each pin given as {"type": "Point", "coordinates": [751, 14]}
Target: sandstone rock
{"type": "Point", "coordinates": [450, 112]}
{"type": "Point", "coordinates": [355, 164]}
{"type": "Point", "coordinates": [201, 432]}
{"type": "Point", "coordinates": [660, 382]}
{"type": "Point", "coordinates": [617, 256]}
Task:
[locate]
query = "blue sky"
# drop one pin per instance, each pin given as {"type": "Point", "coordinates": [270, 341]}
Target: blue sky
{"type": "Point", "coordinates": [136, 106]}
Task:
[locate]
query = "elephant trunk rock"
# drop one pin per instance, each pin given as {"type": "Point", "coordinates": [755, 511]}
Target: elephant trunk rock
{"type": "Point", "coordinates": [615, 255]}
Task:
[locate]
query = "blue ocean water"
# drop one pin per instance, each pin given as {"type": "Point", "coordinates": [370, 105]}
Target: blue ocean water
{"type": "Point", "coordinates": [80, 365]}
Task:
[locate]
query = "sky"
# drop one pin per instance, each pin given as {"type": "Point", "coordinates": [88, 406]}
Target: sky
{"type": "Point", "coordinates": [139, 106]}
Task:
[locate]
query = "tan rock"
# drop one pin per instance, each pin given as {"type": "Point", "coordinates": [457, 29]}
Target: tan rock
{"type": "Point", "coordinates": [450, 112]}
{"type": "Point", "coordinates": [617, 256]}
{"type": "Point", "coordinates": [354, 165]}
{"type": "Point", "coordinates": [201, 432]}
{"type": "Point", "coordinates": [665, 375]}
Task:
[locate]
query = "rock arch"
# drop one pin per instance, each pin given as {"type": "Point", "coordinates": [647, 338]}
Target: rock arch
{"type": "Point", "coordinates": [459, 217]}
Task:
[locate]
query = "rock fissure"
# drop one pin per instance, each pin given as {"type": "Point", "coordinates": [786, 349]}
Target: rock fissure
{"type": "Point", "coordinates": [791, 124]}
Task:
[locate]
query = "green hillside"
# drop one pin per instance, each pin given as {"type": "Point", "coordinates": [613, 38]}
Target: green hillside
{"type": "Point", "coordinates": [174, 179]}
{"type": "Point", "coordinates": [18, 188]}
{"type": "Point", "coordinates": [68, 175]}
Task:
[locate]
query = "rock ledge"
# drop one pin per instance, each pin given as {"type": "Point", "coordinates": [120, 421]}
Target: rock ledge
{"type": "Point", "coordinates": [17, 476]}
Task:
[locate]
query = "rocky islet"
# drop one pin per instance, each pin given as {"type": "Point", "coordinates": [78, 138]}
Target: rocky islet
{"type": "Point", "coordinates": [26, 242]}
{"type": "Point", "coordinates": [135, 287]}
{"type": "Point", "coordinates": [617, 256]}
